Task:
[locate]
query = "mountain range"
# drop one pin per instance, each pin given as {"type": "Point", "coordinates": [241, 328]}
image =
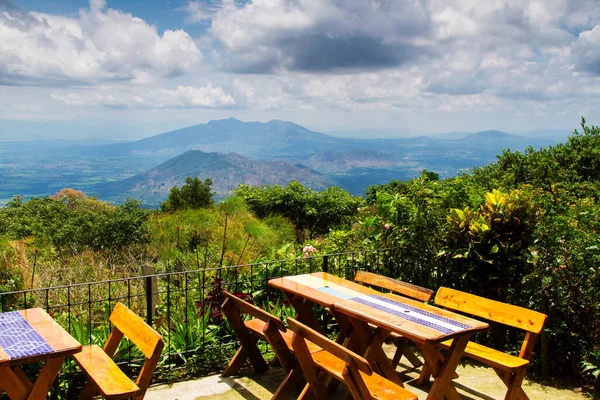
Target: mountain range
{"type": "Point", "coordinates": [231, 152]}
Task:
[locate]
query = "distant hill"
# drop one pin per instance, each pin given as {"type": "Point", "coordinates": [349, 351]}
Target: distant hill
{"type": "Point", "coordinates": [227, 171]}
{"type": "Point", "coordinates": [338, 161]}
{"type": "Point", "coordinates": [490, 135]}
{"type": "Point", "coordinates": [291, 142]}
{"type": "Point", "coordinates": [450, 135]}
{"type": "Point", "coordinates": [250, 139]}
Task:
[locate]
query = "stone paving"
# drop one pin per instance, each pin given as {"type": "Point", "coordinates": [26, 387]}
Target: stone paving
{"type": "Point", "coordinates": [474, 383]}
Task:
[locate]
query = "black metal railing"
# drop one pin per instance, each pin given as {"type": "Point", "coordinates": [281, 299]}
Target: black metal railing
{"type": "Point", "coordinates": [184, 306]}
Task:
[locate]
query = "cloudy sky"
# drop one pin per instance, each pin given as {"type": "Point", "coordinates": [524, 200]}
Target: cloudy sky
{"type": "Point", "coordinates": [134, 68]}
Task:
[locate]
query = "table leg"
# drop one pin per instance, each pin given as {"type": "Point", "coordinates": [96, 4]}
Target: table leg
{"type": "Point", "coordinates": [433, 357]}
{"type": "Point", "coordinates": [443, 368]}
{"type": "Point", "coordinates": [13, 385]}
{"type": "Point", "coordinates": [304, 314]}
{"type": "Point", "coordinates": [19, 373]}
{"type": "Point", "coordinates": [369, 343]}
{"type": "Point", "coordinates": [18, 387]}
{"type": "Point", "coordinates": [42, 384]}
{"type": "Point", "coordinates": [344, 339]}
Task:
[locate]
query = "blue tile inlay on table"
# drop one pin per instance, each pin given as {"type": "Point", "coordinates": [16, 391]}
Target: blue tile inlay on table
{"type": "Point", "coordinates": [18, 339]}
{"type": "Point", "coordinates": [420, 312]}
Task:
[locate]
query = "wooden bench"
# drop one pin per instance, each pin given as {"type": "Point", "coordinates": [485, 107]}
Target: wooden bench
{"type": "Point", "coordinates": [263, 326]}
{"type": "Point", "coordinates": [511, 369]}
{"type": "Point", "coordinates": [105, 377]}
{"type": "Point", "coordinates": [341, 364]}
{"type": "Point", "coordinates": [404, 289]}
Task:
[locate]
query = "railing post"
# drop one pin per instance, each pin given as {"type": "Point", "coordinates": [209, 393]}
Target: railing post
{"type": "Point", "coordinates": [149, 305]}
{"type": "Point", "coordinates": [151, 292]}
{"type": "Point", "coordinates": [325, 263]}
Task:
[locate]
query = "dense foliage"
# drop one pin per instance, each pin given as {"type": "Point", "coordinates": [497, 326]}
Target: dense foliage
{"type": "Point", "coordinates": [72, 222]}
{"type": "Point", "coordinates": [525, 230]}
{"type": "Point", "coordinates": [313, 213]}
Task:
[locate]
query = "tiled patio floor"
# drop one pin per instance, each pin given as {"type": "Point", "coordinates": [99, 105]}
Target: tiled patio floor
{"type": "Point", "coordinates": [474, 383]}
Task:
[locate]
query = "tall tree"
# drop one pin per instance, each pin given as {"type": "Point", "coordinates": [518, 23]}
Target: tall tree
{"type": "Point", "coordinates": [194, 194]}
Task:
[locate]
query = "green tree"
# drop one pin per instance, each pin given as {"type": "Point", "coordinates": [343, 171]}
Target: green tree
{"type": "Point", "coordinates": [193, 194]}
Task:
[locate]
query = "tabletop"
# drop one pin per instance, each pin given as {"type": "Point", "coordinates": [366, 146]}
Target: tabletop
{"type": "Point", "coordinates": [411, 318]}
{"type": "Point", "coordinates": [32, 335]}
{"type": "Point", "coordinates": [320, 287]}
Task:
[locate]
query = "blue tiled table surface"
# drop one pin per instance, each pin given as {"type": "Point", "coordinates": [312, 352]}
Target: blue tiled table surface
{"type": "Point", "coordinates": [447, 324]}
{"type": "Point", "coordinates": [413, 314]}
{"type": "Point", "coordinates": [18, 339]}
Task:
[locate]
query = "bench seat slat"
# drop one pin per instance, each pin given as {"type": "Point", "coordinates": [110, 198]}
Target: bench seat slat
{"type": "Point", "coordinates": [106, 375]}
{"type": "Point", "coordinates": [493, 358]}
{"type": "Point", "coordinates": [379, 387]}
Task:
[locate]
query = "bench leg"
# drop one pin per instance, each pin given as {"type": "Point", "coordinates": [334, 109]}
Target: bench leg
{"type": "Point", "coordinates": [247, 348]}
{"type": "Point", "coordinates": [236, 363]}
{"type": "Point", "coordinates": [293, 378]}
{"type": "Point", "coordinates": [513, 382]}
{"type": "Point", "coordinates": [88, 392]}
{"type": "Point", "coordinates": [306, 393]}
{"type": "Point", "coordinates": [356, 386]}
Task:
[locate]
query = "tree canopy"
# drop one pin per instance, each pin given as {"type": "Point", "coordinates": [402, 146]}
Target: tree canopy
{"type": "Point", "coordinates": [193, 194]}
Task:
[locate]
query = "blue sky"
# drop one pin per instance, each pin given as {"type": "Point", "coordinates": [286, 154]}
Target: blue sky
{"type": "Point", "coordinates": [163, 14]}
{"type": "Point", "coordinates": [134, 68]}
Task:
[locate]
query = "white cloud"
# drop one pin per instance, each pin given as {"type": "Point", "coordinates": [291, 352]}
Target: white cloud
{"type": "Point", "coordinates": [320, 35]}
{"type": "Point", "coordinates": [399, 60]}
{"type": "Point", "coordinates": [460, 47]}
{"type": "Point", "coordinates": [182, 97]}
{"type": "Point", "coordinates": [100, 44]}
{"type": "Point", "coordinates": [587, 50]}
{"type": "Point", "coordinates": [201, 10]}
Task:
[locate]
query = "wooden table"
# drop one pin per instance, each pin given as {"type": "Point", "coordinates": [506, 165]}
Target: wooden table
{"type": "Point", "coordinates": [359, 306]}
{"type": "Point", "coordinates": [304, 291]}
{"type": "Point", "coordinates": [30, 336]}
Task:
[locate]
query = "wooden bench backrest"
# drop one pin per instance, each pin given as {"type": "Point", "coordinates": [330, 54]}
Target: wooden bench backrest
{"type": "Point", "coordinates": [507, 314]}
{"type": "Point", "coordinates": [127, 323]}
{"type": "Point", "coordinates": [328, 345]}
{"type": "Point", "coordinates": [400, 287]}
{"type": "Point", "coordinates": [518, 317]}
{"type": "Point", "coordinates": [134, 328]}
{"type": "Point", "coordinates": [254, 311]}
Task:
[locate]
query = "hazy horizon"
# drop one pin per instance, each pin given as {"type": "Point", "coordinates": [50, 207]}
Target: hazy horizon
{"type": "Point", "coordinates": [95, 133]}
